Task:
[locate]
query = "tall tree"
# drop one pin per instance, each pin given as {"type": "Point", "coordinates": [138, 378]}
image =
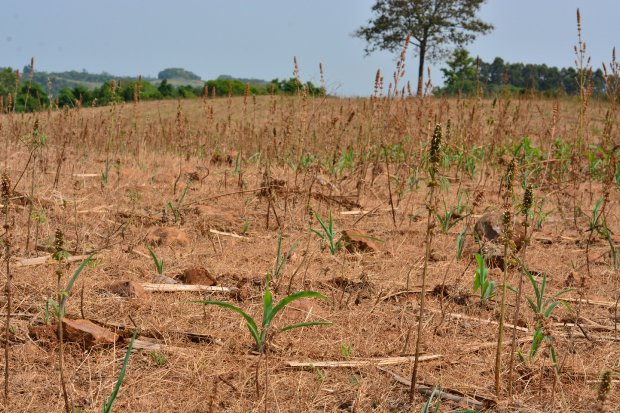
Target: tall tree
{"type": "Point", "coordinates": [460, 75]}
{"type": "Point", "coordinates": [433, 25]}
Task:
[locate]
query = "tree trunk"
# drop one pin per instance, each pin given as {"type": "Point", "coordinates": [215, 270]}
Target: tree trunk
{"type": "Point", "coordinates": [421, 68]}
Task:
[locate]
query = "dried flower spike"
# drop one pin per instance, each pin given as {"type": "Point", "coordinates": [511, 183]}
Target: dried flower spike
{"type": "Point", "coordinates": [435, 146]}
{"type": "Point", "coordinates": [6, 188]}
{"type": "Point", "coordinates": [59, 240]}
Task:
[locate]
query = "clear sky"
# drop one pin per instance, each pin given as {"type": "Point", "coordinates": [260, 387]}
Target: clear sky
{"type": "Point", "coordinates": [258, 38]}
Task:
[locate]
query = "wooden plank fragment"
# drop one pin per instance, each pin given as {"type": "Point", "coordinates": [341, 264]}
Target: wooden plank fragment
{"type": "Point", "coordinates": [443, 394]}
{"type": "Point", "coordinates": [170, 288]}
{"type": "Point", "coordinates": [384, 361]}
{"type": "Point", "coordinates": [227, 234]}
{"type": "Point", "coordinates": [46, 259]}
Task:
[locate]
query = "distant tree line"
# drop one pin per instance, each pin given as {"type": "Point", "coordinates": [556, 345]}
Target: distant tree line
{"type": "Point", "coordinates": [464, 74]}
{"type": "Point", "coordinates": [28, 94]}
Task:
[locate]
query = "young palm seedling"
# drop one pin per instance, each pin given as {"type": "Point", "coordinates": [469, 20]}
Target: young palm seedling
{"type": "Point", "coordinates": [482, 281]}
{"type": "Point", "coordinates": [328, 234]}
{"type": "Point", "coordinates": [107, 406]}
{"type": "Point", "coordinates": [159, 263]}
{"type": "Point", "coordinates": [542, 308]}
{"type": "Point", "coordinates": [281, 258]}
{"type": "Point", "coordinates": [451, 217]}
{"type": "Point", "coordinates": [262, 334]}
{"type": "Point", "coordinates": [460, 242]}
{"type": "Point", "coordinates": [176, 208]}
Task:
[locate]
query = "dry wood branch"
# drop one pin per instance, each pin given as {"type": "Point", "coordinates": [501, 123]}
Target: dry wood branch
{"type": "Point", "coordinates": [477, 347]}
{"type": "Point", "coordinates": [153, 333]}
{"type": "Point", "coordinates": [591, 302]}
{"type": "Point", "coordinates": [386, 361]}
{"type": "Point", "coordinates": [227, 234]}
{"type": "Point", "coordinates": [171, 288]}
{"type": "Point", "coordinates": [151, 346]}
{"type": "Point", "coordinates": [417, 290]}
{"type": "Point", "coordinates": [480, 320]}
{"type": "Point", "coordinates": [443, 394]}
{"type": "Point", "coordinates": [46, 259]}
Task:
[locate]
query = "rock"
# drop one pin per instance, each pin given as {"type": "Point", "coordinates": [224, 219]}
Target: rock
{"type": "Point", "coordinates": [128, 289]}
{"type": "Point", "coordinates": [45, 333]}
{"type": "Point", "coordinates": [197, 276]}
{"type": "Point", "coordinates": [242, 292]}
{"type": "Point", "coordinates": [163, 279]}
{"type": "Point", "coordinates": [87, 333]}
{"type": "Point", "coordinates": [219, 218]}
{"type": "Point", "coordinates": [167, 236]}
{"type": "Point", "coordinates": [354, 240]}
{"type": "Point", "coordinates": [490, 229]}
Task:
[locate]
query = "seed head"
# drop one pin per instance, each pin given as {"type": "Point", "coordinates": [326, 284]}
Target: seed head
{"type": "Point", "coordinates": [435, 146]}
{"type": "Point", "coordinates": [509, 180]}
{"type": "Point", "coordinates": [507, 224]}
{"type": "Point", "coordinates": [6, 188]}
{"type": "Point", "coordinates": [604, 389]}
{"type": "Point", "coordinates": [527, 200]}
{"type": "Point", "coordinates": [59, 240]}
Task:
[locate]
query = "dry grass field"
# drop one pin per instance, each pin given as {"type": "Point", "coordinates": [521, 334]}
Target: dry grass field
{"type": "Point", "coordinates": [214, 186]}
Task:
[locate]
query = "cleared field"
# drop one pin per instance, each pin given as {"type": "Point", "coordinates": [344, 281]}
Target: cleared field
{"type": "Point", "coordinates": [224, 179]}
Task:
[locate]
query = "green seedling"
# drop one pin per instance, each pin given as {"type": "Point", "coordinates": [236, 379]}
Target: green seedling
{"type": "Point", "coordinates": [107, 406]}
{"type": "Point", "coordinates": [451, 217]}
{"type": "Point", "coordinates": [542, 308]}
{"type": "Point", "coordinates": [460, 243]}
{"type": "Point", "coordinates": [59, 307]}
{"type": "Point", "coordinates": [260, 335]}
{"type": "Point", "coordinates": [281, 258]}
{"type": "Point", "coordinates": [159, 264]}
{"type": "Point", "coordinates": [176, 208]}
{"type": "Point", "coordinates": [482, 281]}
{"type": "Point", "coordinates": [429, 404]}
{"type": "Point", "coordinates": [345, 349]}
{"type": "Point", "coordinates": [598, 224]}
{"type": "Point", "coordinates": [105, 173]}
{"type": "Point", "coordinates": [328, 234]}
{"type": "Point", "coordinates": [158, 358]}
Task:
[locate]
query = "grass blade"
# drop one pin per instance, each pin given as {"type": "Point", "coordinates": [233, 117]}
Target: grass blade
{"type": "Point", "coordinates": [107, 407]}
{"type": "Point", "coordinates": [308, 324]}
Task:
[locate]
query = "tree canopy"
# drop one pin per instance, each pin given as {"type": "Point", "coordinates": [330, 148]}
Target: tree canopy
{"type": "Point", "coordinates": [177, 73]}
{"type": "Point", "coordinates": [433, 25]}
{"type": "Point", "coordinates": [464, 74]}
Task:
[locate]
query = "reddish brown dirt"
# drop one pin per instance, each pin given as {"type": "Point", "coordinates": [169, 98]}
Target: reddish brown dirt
{"type": "Point", "coordinates": [206, 360]}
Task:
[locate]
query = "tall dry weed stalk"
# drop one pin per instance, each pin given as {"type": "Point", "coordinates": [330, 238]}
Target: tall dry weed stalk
{"type": "Point", "coordinates": [433, 170]}
{"type": "Point", "coordinates": [59, 256]}
{"type": "Point", "coordinates": [507, 184]}
{"type": "Point", "coordinates": [526, 207]}
{"type": "Point", "coordinates": [6, 200]}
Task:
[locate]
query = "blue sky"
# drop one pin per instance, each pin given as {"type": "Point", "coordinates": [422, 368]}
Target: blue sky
{"type": "Point", "coordinates": [258, 38]}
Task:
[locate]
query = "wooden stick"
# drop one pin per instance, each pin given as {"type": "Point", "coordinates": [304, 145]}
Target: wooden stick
{"type": "Point", "coordinates": [151, 346]}
{"type": "Point", "coordinates": [476, 347]}
{"type": "Point", "coordinates": [481, 320]}
{"type": "Point", "coordinates": [427, 390]}
{"type": "Point", "coordinates": [417, 290]}
{"type": "Point", "coordinates": [170, 288]}
{"type": "Point", "coordinates": [46, 259]}
{"type": "Point", "coordinates": [87, 175]}
{"type": "Point", "coordinates": [591, 302]}
{"type": "Point", "coordinates": [385, 361]}
{"type": "Point", "coordinates": [227, 234]}
{"type": "Point", "coordinates": [153, 333]}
